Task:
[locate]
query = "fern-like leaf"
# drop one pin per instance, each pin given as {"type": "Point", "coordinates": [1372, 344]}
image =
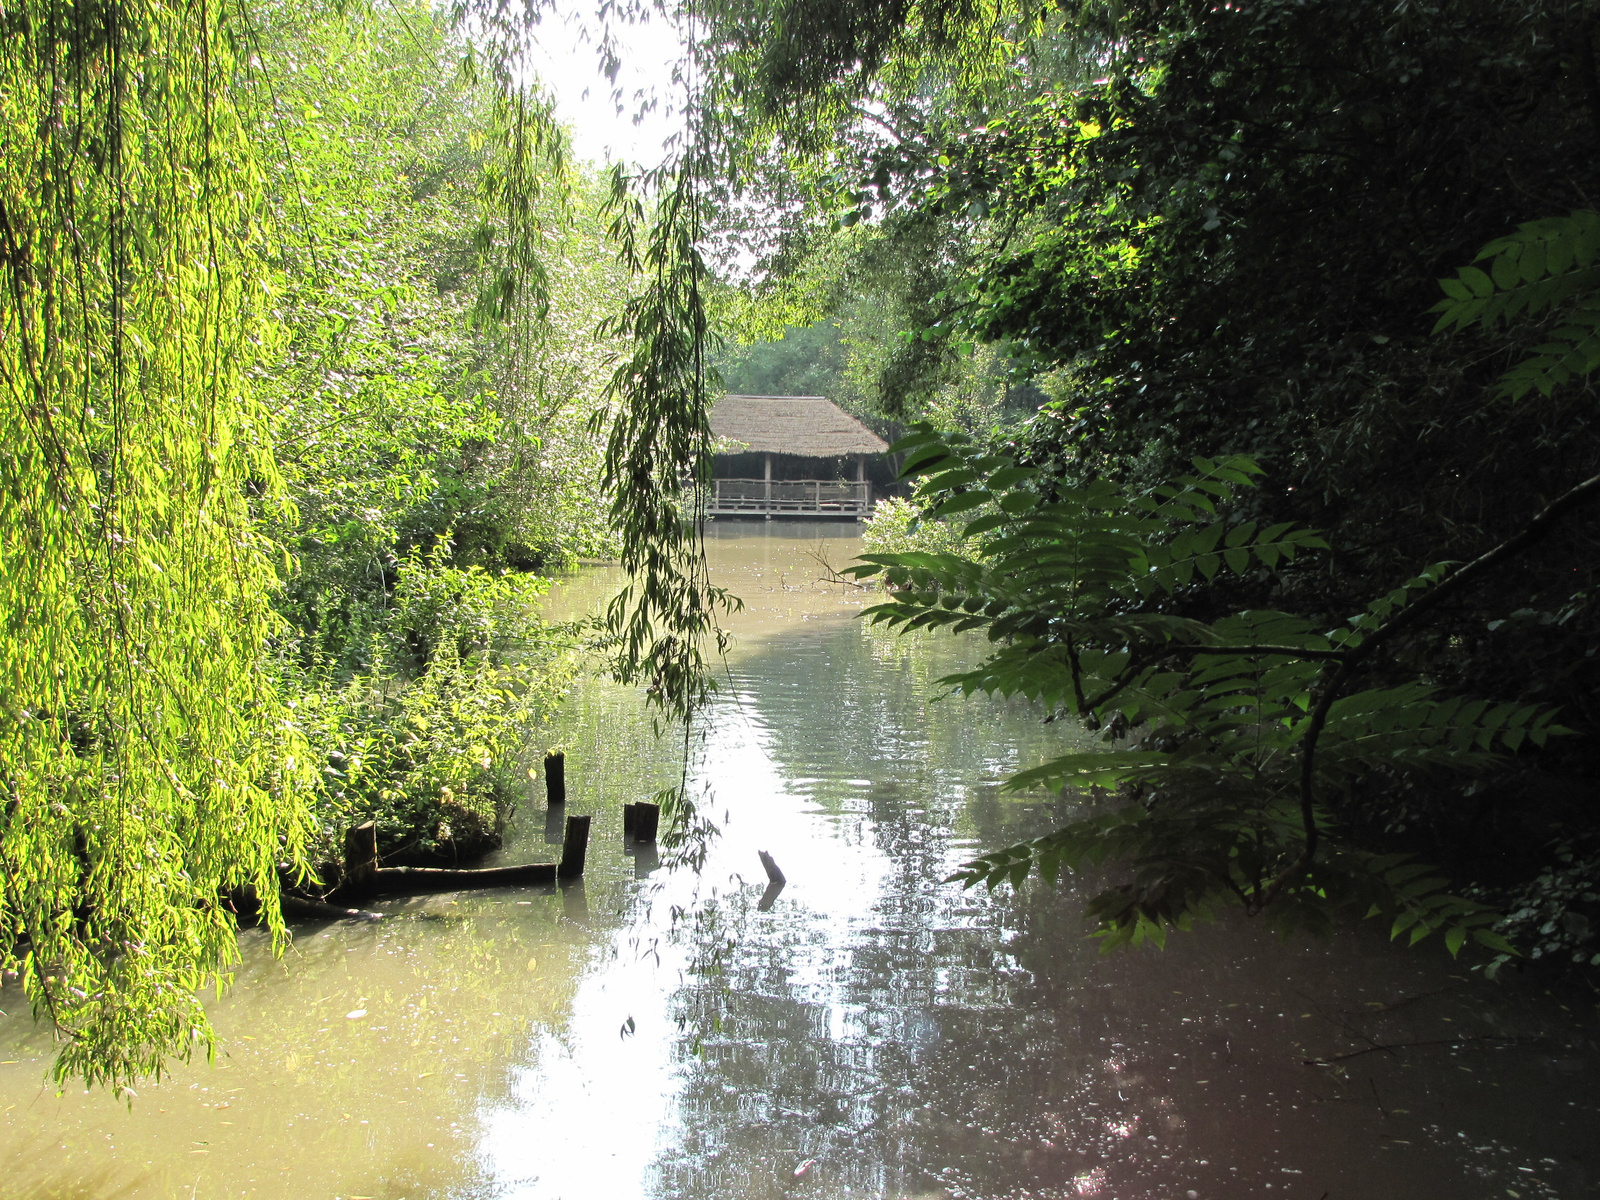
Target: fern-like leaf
{"type": "Point", "coordinates": [1545, 268]}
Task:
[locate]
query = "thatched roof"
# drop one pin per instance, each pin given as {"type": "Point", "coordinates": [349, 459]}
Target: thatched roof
{"type": "Point", "coordinates": [810, 426]}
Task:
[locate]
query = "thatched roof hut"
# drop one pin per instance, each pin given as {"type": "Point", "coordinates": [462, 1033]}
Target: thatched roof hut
{"type": "Point", "coordinates": [808, 426]}
{"type": "Point", "coordinates": [786, 456]}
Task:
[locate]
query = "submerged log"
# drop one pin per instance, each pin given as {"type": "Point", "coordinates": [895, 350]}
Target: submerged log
{"type": "Point", "coordinates": [451, 879]}
{"type": "Point", "coordinates": [773, 874]}
{"type": "Point", "coordinates": [295, 905]}
{"type": "Point", "coordinates": [319, 910]}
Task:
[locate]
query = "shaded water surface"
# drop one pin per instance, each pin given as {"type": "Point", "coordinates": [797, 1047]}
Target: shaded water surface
{"type": "Point", "coordinates": [870, 1031]}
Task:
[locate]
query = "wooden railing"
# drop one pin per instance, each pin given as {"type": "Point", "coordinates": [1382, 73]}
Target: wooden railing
{"type": "Point", "coordinates": [828, 497]}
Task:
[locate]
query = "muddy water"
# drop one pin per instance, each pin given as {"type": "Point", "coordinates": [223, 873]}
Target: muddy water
{"type": "Point", "coordinates": [869, 1031]}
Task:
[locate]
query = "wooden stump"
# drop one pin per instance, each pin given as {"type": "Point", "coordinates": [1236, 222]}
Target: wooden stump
{"type": "Point", "coordinates": [646, 821]}
{"type": "Point", "coordinates": [574, 849]}
{"type": "Point", "coordinates": [555, 777]}
{"type": "Point", "coordinates": [361, 855]}
{"type": "Point", "coordinates": [629, 813]}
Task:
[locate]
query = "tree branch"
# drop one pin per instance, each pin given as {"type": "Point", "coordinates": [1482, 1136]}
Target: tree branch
{"type": "Point", "coordinates": [1452, 583]}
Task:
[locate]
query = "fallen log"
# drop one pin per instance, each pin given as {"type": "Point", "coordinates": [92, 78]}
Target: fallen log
{"type": "Point", "coordinates": [451, 879]}
{"type": "Point", "coordinates": [361, 875]}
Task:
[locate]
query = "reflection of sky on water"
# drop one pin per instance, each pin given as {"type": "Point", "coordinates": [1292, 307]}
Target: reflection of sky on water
{"type": "Point", "coordinates": [881, 1034]}
{"type": "Point", "coordinates": [875, 1034]}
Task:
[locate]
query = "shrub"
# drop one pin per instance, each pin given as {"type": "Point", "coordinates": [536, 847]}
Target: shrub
{"type": "Point", "coordinates": [432, 741]}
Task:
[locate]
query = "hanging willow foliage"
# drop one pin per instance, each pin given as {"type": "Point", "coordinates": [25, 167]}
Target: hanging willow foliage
{"type": "Point", "coordinates": [146, 763]}
{"type": "Point", "coordinates": [658, 454]}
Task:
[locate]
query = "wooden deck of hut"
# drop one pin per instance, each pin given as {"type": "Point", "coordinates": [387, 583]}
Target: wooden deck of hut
{"type": "Point", "coordinates": [785, 428]}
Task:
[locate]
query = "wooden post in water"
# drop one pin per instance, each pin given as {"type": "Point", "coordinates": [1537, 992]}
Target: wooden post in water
{"type": "Point", "coordinates": [574, 849]}
{"type": "Point", "coordinates": [771, 867]}
{"type": "Point", "coordinates": [555, 777]}
{"type": "Point", "coordinates": [361, 854]}
{"type": "Point", "coordinates": [646, 821]}
{"type": "Point", "coordinates": [775, 881]}
{"type": "Point", "coordinates": [628, 814]}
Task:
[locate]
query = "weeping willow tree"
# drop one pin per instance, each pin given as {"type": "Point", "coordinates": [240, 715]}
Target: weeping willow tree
{"type": "Point", "coordinates": [148, 767]}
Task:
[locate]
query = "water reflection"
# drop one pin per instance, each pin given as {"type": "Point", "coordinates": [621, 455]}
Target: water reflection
{"type": "Point", "coordinates": [870, 1031]}
{"type": "Point", "coordinates": [866, 1031]}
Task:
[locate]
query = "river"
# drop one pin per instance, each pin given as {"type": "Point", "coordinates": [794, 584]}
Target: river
{"type": "Point", "coordinates": [871, 1031]}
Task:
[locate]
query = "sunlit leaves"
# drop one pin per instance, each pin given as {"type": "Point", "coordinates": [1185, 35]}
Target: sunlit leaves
{"type": "Point", "coordinates": [658, 452]}
{"type": "Point", "coordinates": [149, 766]}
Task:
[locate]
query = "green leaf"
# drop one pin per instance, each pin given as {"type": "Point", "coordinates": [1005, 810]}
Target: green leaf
{"type": "Point", "coordinates": [923, 460]}
{"type": "Point", "coordinates": [985, 523]}
{"type": "Point", "coordinates": [1495, 942]}
{"type": "Point", "coordinates": [1014, 503]}
{"type": "Point", "coordinates": [1008, 477]}
{"type": "Point", "coordinates": [1479, 283]}
{"type": "Point", "coordinates": [962, 502]}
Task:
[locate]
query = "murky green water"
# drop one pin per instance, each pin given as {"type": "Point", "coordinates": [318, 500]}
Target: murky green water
{"type": "Point", "coordinates": [872, 1033]}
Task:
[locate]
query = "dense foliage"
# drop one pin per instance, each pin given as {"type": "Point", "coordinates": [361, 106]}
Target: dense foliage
{"type": "Point", "coordinates": [298, 358]}
{"type": "Point", "coordinates": [1243, 731]}
{"type": "Point", "coordinates": [301, 375]}
{"type": "Point", "coordinates": [148, 763]}
{"type": "Point", "coordinates": [434, 445]}
{"type": "Point", "coordinates": [1216, 230]}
